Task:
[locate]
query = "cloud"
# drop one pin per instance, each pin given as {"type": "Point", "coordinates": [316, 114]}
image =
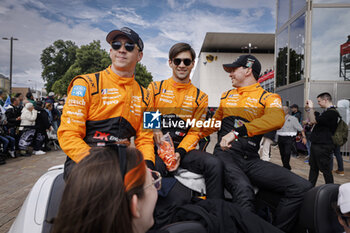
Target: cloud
{"type": "Point", "coordinates": [326, 44]}
{"type": "Point", "coordinates": [129, 15]}
{"type": "Point", "coordinates": [180, 5]}
{"type": "Point", "coordinates": [241, 4]}
{"type": "Point", "coordinates": [37, 24]}
{"type": "Point", "coordinates": [35, 33]}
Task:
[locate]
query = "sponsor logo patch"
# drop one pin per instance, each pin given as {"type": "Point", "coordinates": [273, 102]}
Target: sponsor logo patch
{"type": "Point", "coordinates": [79, 91]}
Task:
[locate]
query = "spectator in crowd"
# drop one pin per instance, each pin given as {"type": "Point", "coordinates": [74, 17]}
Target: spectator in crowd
{"type": "Point", "coordinates": [2, 101]}
{"type": "Point", "coordinates": [308, 126]}
{"type": "Point", "coordinates": [50, 98]}
{"type": "Point", "coordinates": [4, 137]}
{"type": "Point", "coordinates": [54, 115]}
{"type": "Point", "coordinates": [13, 116]}
{"type": "Point", "coordinates": [48, 108]}
{"type": "Point", "coordinates": [60, 105]}
{"type": "Point", "coordinates": [8, 142]}
{"type": "Point", "coordinates": [20, 98]}
{"type": "Point", "coordinates": [343, 107]}
{"type": "Point", "coordinates": [265, 145]}
{"type": "Point", "coordinates": [321, 137]}
{"type": "Point", "coordinates": [124, 204]}
{"type": "Point", "coordinates": [30, 98]}
{"type": "Point", "coordinates": [343, 207]}
{"type": "Point", "coordinates": [296, 113]}
{"type": "Point", "coordinates": [286, 136]}
{"type": "Point", "coordinates": [42, 125]}
{"type": "Point", "coordinates": [27, 128]}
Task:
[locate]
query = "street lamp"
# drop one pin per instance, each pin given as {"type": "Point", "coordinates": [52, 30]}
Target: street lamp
{"type": "Point", "coordinates": [11, 52]}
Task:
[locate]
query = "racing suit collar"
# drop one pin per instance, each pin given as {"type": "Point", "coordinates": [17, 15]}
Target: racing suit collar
{"type": "Point", "coordinates": [121, 80]}
{"type": "Point", "coordinates": [249, 88]}
{"type": "Point", "coordinates": [179, 85]}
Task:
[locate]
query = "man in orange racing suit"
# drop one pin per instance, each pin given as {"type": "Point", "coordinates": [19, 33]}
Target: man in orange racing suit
{"type": "Point", "coordinates": [179, 101]}
{"type": "Point", "coordinates": [246, 113]}
{"type": "Point", "coordinates": [107, 106]}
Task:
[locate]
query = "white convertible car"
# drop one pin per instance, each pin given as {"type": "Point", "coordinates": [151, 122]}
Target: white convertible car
{"type": "Point", "coordinates": [42, 203]}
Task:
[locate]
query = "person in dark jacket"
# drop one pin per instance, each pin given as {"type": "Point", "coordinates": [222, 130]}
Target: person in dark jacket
{"type": "Point", "coordinates": [13, 115]}
{"type": "Point", "coordinates": [42, 124]}
{"type": "Point", "coordinates": [321, 138]}
{"type": "Point", "coordinates": [30, 98]}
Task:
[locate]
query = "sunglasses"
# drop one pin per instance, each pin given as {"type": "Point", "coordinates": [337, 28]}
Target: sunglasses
{"type": "Point", "coordinates": [156, 180]}
{"type": "Point", "coordinates": [186, 61]}
{"type": "Point", "coordinates": [116, 45]}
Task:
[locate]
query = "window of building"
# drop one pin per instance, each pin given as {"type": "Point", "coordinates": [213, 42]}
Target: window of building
{"type": "Point", "coordinates": [330, 1]}
{"type": "Point", "coordinates": [283, 12]}
{"type": "Point", "coordinates": [297, 49]}
{"type": "Point", "coordinates": [330, 29]}
{"type": "Point", "coordinates": [296, 6]}
{"type": "Point", "coordinates": [282, 58]}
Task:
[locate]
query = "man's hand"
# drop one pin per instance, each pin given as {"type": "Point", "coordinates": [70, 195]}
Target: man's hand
{"type": "Point", "coordinates": [157, 135]}
{"type": "Point", "coordinates": [178, 158]}
{"type": "Point", "coordinates": [304, 141]}
{"type": "Point", "coordinates": [226, 140]}
{"type": "Point", "coordinates": [18, 118]}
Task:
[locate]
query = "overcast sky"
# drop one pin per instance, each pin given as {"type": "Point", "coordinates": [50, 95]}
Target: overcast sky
{"type": "Point", "coordinates": [160, 23]}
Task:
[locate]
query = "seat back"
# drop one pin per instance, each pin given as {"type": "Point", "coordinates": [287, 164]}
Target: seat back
{"type": "Point", "coordinates": [54, 202]}
{"type": "Point", "coordinates": [317, 214]}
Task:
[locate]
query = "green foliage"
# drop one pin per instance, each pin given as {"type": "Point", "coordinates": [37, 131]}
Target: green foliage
{"type": "Point", "coordinates": [89, 59]}
{"type": "Point", "coordinates": [56, 60]}
{"type": "Point", "coordinates": [62, 61]}
{"type": "Point", "coordinates": [142, 76]}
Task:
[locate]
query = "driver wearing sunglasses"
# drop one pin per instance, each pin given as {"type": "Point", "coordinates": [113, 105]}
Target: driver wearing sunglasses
{"type": "Point", "coordinates": [178, 100]}
{"type": "Point", "coordinates": [107, 106]}
{"type": "Point", "coordinates": [343, 208]}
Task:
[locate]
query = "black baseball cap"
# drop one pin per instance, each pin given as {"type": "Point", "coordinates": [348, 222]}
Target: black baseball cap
{"type": "Point", "coordinates": [131, 34]}
{"type": "Point", "coordinates": [248, 61]}
{"type": "Point", "coordinates": [294, 106]}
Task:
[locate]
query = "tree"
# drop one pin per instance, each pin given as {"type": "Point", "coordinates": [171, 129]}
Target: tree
{"type": "Point", "coordinates": [142, 76]}
{"type": "Point", "coordinates": [89, 59]}
{"type": "Point", "coordinates": [56, 60]}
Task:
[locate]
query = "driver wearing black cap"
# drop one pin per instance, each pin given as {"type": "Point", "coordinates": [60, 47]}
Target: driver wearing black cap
{"type": "Point", "coordinates": [107, 107]}
{"type": "Point", "coordinates": [246, 113]}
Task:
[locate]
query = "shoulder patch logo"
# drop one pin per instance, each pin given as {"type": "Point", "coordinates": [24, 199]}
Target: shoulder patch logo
{"type": "Point", "coordinates": [78, 90]}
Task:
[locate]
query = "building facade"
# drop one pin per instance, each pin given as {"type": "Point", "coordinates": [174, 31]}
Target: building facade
{"type": "Point", "coordinates": [223, 48]}
{"type": "Point", "coordinates": [311, 49]}
{"type": "Point", "coordinates": [4, 84]}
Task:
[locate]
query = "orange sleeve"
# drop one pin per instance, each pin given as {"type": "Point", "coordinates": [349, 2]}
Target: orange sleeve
{"type": "Point", "coordinates": [272, 119]}
{"type": "Point", "coordinates": [189, 142]}
{"type": "Point", "coordinates": [72, 129]}
{"type": "Point", "coordinates": [144, 137]}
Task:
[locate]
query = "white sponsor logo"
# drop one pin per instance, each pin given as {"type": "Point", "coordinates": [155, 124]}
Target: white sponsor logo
{"type": "Point", "coordinates": [79, 113]}
{"type": "Point", "coordinates": [276, 103]}
{"type": "Point", "coordinates": [109, 91]}
{"type": "Point", "coordinates": [69, 120]}
{"type": "Point", "coordinates": [136, 97]}
{"type": "Point", "coordinates": [74, 102]}
{"type": "Point", "coordinates": [110, 102]}
{"type": "Point", "coordinates": [110, 97]}
{"type": "Point", "coordinates": [252, 100]}
{"type": "Point", "coordinates": [165, 100]}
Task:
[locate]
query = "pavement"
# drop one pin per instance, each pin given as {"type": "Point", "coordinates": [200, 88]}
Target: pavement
{"type": "Point", "coordinates": [19, 175]}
